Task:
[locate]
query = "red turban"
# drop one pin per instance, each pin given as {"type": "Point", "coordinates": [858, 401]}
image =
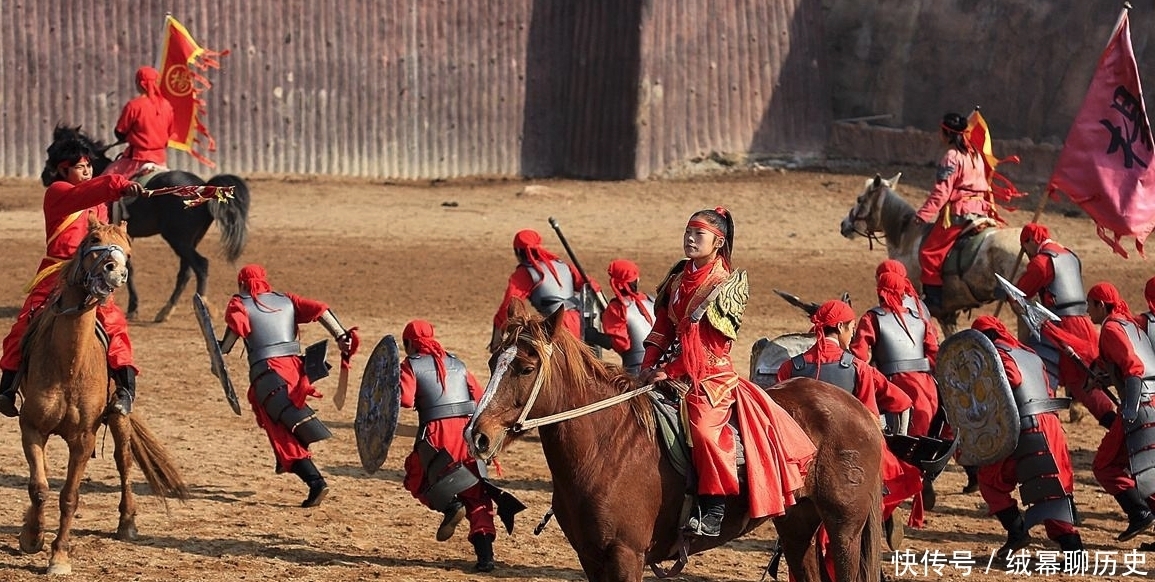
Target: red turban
{"type": "Point", "coordinates": [622, 273]}
{"type": "Point", "coordinates": [529, 242]}
{"type": "Point", "coordinates": [830, 314]}
{"type": "Point", "coordinates": [890, 266]}
{"type": "Point", "coordinates": [1107, 293]}
{"type": "Point", "coordinates": [418, 336]}
{"type": "Point", "coordinates": [1149, 294]}
{"type": "Point", "coordinates": [993, 325]}
{"type": "Point", "coordinates": [253, 278]}
{"type": "Point", "coordinates": [892, 287]}
{"type": "Point", "coordinates": [1034, 232]}
{"type": "Point", "coordinates": [147, 78]}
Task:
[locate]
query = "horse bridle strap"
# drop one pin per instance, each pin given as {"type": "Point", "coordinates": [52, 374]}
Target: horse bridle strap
{"type": "Point", "coordinates": [78, 271]}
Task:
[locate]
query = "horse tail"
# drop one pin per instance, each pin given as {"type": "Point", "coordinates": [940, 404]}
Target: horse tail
{"type": "Point", "coordinates": [870, 566]}
{"type": "Point", "coordinates": [158, 466]}
{"type": "Point", "coordinates": [232, 216]}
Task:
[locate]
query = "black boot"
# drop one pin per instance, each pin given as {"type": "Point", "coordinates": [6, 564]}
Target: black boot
{"type": "Point", "coordinates": [1139, 516]}
{"type": "Point", "coordinates": [125, 390]}
{"type": "Point", "coordinates": [1017, 535]}
{"type": "Point", "coordinates": [483, 547]}
{"type": "Point", "coordinates": [1070, 542]}
{"type": "Point", "coordinates": [894, 530]}
{"type": "Point", "coordinates": [307, 471]}
{"type": "Point", "coordinates": [8, 393]}
{"type": "Point", "coordinates": [972, 480]}
{"type": "Point", "coordinates": [932, 296]}
{"type": "Point", "coordinates": [707, 520]}
{"type": "Point", "coordinates": [929, 497]}
{"type": "Point", "coordinates": [453, 516]}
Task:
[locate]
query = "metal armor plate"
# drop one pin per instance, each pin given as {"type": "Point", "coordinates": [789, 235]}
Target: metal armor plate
{"type": "Point", "coordinates": [378, 404]}
{"type": "Point", "coordinates": [977, 398]}
{"type": "Point", "coordinates": [219, 368]}
{"type": "Point", "coordinates": [766, 356]}
{"type": "Point", "coordinates": [316, 368]}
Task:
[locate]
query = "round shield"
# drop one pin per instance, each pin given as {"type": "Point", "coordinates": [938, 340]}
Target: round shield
{"type": "Point", "coordinates": [378, 404]}
{"type": "Point", "coordinates": [766, 356]}
{"type": "Point", "coordinates": [977, 398]}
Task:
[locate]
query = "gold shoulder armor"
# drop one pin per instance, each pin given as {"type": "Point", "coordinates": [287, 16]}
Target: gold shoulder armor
{"type": "Point", "coordinates": [725, 311]}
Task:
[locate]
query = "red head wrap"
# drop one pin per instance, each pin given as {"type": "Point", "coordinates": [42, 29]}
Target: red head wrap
{"type": "Point", "coordinates": [993, 325]}
{"type": "Point", "coordinates": [418, 336]}
{"type": "Point", "coordinates": [622, 272]}
{"type": "Point", "coordinates": [830, 314]}
{"type": "Point", "coordinates": [146, 78]}
{"type": "Point", "coordinates": [892, 287]}
{"type": "Point", "coordinates": [1149, 294]}
{"type": "Point", "coordinates": [1107, 293]}
{"type": "Point", "coordinates": [1034, 232]}
{"type": "Point", "coordinates": [528, 241]}
{"type": "Point", "coordinates": [253, 278]}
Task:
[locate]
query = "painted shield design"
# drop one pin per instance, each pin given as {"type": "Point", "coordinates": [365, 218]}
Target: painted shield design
{"type": "Point", "coordinates": [766, 356]}
{"type": "Point", "coordinates": [217, 360]}
{"type": "Point", "coordinates": [977, 398]}
{"type": "Point", "coordinates": [379, 404]}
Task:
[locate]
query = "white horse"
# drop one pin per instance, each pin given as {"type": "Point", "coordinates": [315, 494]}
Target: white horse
{"type": "Point", "coordinates": [879, 209]}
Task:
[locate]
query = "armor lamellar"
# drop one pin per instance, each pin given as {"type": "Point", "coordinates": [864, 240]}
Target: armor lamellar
{"type": "Point", "coordinates": [1136, 396]}
{"type": "Point", "coordinates": [637, 328]}
{"type": "Point", "coordinates": [549, 293]}
{"type": "Point", "coordinates": [840, 373]}
{"type": "Point", "coordinates": [272, 394]}
{"type": "Point", "coordinates": [274, 327]}
{"type": "Point", "coordinates": [1066, 288]}
{"type": "Point", "coordinates": [725, 311]}
{"type": "Point", "coordinates": [434, 401]}
{"type": "Point", "coordinates": [898, 349]}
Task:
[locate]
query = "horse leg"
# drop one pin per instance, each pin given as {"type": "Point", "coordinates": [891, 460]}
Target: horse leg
{"type": "Point", "coordinates": [182, 276]}
{"type": "Point", "coordinates": [133, 299]}
{"type": "Point", "coordinates": [122, 436]}
{"type": "Point", "coordinates": [623, 564]}
{"type": "Point", "coordinates": [796, 533]}
{"type": "Point", "coordinates": [79, 451]}
{"type": "Point", "coordinates": [32, 533]}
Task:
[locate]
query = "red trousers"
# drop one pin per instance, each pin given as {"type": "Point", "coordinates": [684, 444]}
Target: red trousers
{"type": "Point", "coordinates": [998, 480]}
{"type": "Point", "coordinates": [1073, 376]}
{"type": "Point", "coordinates": [1112, 465]}
{"type": "Point", "coordinates": [713, 452]}
{"type": "Point", "coordinates": [923, 393]}
{"type": "Point", "coordinates": [935, 247]}
{"type": "Point", "coordinates": [109, 315]}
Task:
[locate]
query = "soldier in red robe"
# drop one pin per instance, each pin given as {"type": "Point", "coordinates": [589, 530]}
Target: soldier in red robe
{"type": "Point", "coordinates": [778, 452]}
{"type": "Point", "coordinates": [628, 317]}
{"type": "Point", "coordinates": [445, 394]}
{"type": "Point", "coordinates": [545, 281]}
{"type": "Point", "coordinates": [1029, 380]}
{"type": "Point", "coordinates": [145, 123]}
{"type": "Point", "coordinates": [69, 202]}
{"type": "Point", "coordinates": [267, 322]}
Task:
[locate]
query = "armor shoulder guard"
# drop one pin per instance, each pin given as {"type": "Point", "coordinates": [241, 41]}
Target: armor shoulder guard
{"type": "Point", "coordinates": [725, 311]}
{"type": "Point", "coordinates": [662, 296]}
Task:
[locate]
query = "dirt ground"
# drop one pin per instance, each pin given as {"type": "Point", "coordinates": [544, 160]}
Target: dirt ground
{"type": "Point", "coordinates": [382, 254]}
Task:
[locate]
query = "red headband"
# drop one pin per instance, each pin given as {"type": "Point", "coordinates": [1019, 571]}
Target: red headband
{"type": "Point", "coordinates": [695, 223]}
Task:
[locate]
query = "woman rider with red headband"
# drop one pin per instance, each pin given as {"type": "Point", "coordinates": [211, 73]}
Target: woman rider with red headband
{"type": "Point", "coordinates": [961, 195]}
{"type": "Point", "coordinates": [69, 201]}
{"type": "Point", "coordinates": [146, 124]}
{"type": "Point", "coordinates": [777, 451]}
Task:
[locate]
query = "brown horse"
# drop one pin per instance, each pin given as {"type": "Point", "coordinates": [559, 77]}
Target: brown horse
{"type": "Point", "coordinates": [879, 209]}
{"type": "Point", "coordinates": [67, 389]}
{"type": "Point", "coordinates": [617, 497]}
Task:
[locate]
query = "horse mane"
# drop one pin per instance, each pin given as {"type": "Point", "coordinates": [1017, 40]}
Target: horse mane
{"type": "Point", "coordinates": [575, 361]}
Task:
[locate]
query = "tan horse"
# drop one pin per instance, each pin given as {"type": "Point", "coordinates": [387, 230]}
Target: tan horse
{"type": "Point", "coordinates": [879, 209]}
{"type": "Point", "coordinates": [66, 390]}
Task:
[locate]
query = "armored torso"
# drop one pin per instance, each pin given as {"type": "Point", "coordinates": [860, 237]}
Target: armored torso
{"type": "Point", "coordinates": [897, 349]}
{"type": "Point", "coordinates": [274, 327]}
{"type": "Point", "coordinates": [637, 328]}
{"type": "Point", "coordinates": [434, 401]}
{"type": "Point", "coordinates": [840, 373]}
{"type": "Point", "coordinates": [1065, 291]}
{"type": "Point", "coordinates": [549, 293]}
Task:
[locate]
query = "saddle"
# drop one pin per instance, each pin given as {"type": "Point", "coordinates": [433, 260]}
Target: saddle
{"type": "Point", "coordinates": [966, 249]}
{"type": "Point", "coordinates": [675, 441]}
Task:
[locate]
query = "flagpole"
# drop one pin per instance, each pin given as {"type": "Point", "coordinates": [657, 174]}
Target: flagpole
{"type": "Point", "coordinates": [1019, 259]}
{"type": "Point", "coordinates": [160, 46]}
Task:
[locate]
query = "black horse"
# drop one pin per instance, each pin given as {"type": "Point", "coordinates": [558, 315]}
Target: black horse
{"type": "Point", "coordinates": [181, 228]}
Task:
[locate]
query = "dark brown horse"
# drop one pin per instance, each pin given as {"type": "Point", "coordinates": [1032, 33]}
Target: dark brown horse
{"type": "Point", "coordinates": [616, 495]}
{"type": "Point", "coordinates": [66, 392]}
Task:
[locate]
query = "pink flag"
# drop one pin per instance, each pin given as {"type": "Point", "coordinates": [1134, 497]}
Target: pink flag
{"type": "Point", "coordinates": [1107, 165]}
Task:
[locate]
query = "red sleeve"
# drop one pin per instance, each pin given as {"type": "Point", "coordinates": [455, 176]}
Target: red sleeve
{"type": "Point", "coordinates": [1086, 350]}
{"type": "Point", "coordinates": [408, 385]}
{"type": "Point", "coordinates": [614, 325]}
{"type": "Point", "coordinates": [890, 398]}
{"type": "Point", "coordinates": [237, 317]}
{"type": "Point", "coordinates": [476, 390]}
{"type": "Point", "coordinates": [1038, 274]}
{"type": "Point", "coordinates": [940, 193]}
{"type": "Point", "coordinates": [660, 337]}
{"type": "Point", "coordinates": [308, 310]}
{"type": "Point", "coordinates": [1115, 348]}
{"type": "Point", "coordinates": [864, 337]}
{"type": "Point", "coordinates": [520, 286]}
{"type": "Point", "coordinates": [62, 198]}
{"type": "Point", "coordinates": [1014, 376]}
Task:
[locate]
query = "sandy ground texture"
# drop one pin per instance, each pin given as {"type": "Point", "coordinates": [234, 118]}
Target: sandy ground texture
{"type": "Point", "coordinates": [384, 253]}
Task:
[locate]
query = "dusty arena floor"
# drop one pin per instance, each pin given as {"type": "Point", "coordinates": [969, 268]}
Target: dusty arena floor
{"type": "Point", "coordinates": [381, 254]}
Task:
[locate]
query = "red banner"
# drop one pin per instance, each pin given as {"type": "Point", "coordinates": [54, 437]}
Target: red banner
{"type": "Point", "coordinates": [181, 61]}
{"type": "Point", "coordinates": [1106, 163]}
{"type": "Point", "coordinates": [978, 134]}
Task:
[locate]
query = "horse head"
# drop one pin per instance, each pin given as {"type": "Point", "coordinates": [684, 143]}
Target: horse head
{"type": "Point", "coordinates": [865, 217]}
{"type": "Point", "coordinates": [101, 262]}
{"type": "Point", "coordinates": [62, 133]}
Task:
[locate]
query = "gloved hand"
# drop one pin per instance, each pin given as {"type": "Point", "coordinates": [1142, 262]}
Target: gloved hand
{"type": "Point", "coordinates": [348, 344]}
{"type": "Point", "coordinates": [132, 189]}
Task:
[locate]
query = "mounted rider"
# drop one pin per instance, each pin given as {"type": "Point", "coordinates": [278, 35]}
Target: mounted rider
{"type": "Point", "coordinates": [961, 201]}
{"type": "Point", "coordinates": [70, 200]}
{"type": "Point", "coordinates": [439, 472]}
{"type": "Point", "coordinates": [545, 280]}
{"type": "Point", "coordinates": [628, 317]}
{"type": "Point", "coordinates": [1040, 464]}
{"type": "Point", "coordinates": [1055, 274]}
{"type": "Point", "coordinates": [830, 361]}
{"type": "Point", "coordinates": [267, 322]}
{"type": "Point", "coordinates": [145, 123]}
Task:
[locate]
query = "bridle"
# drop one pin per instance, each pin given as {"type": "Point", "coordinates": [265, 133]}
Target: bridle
{"type": "Point", "coordinates": [91, 279]}
{"type": "Point", "coordinates": [863, 215]}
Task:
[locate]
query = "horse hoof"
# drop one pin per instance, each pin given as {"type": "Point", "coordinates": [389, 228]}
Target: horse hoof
{"type": "Point", "coordinates": [126, 533]}
{"type": "Point", "coordinates": [59, 569]}
{"type": "Point", "coordinates": [33, 547]}
{"type": "Point", "coordinates": [162, 315]}
{"type": "Point", "coordinates": [131, 315]}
